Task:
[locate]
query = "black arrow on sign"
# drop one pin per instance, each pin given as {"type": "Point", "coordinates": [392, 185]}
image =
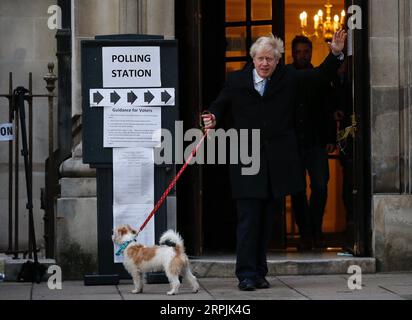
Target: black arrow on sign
{"type": "Point", "coordinates": [114, 97]}
{"type": "Point", "coordinates": [97, 97]}
{"type": "Point", "coordinates": [148, 97]}
{"type": "Point", "coordinates": [165, 96]}
{"type": "Point", "coordinates": [131, 97]}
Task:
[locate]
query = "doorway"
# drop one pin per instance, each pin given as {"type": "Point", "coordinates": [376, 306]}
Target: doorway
{"type": "Point", "coordinates": [221, 35]}
{"type": "Point", "coordinates": [229, 29]}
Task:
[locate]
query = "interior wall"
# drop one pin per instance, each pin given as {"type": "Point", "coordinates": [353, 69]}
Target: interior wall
{"type": "Point", "coordinates": [293, 8]}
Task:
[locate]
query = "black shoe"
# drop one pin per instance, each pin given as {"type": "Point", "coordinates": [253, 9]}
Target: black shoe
{"type": "Point", "coordinates": [247, 285]}
{"type": "Point", "coordinates": [262, 283]}
{"type": "Point", "coordinates": [319, 242]}
{"type": "Point", "coordinates": [305, 245]}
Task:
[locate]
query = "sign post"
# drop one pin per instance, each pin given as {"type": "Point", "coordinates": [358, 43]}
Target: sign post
{"type": "Point", "coordinates": [129, 92]}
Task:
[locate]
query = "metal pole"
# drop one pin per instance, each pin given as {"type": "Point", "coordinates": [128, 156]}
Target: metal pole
{"type": "Point", "coordinates": [10, 247]}
{"type": "Point", "coordinates": [30, 103]}
{"type": "Point", "coordinates": [16, 183]}
{"type": "Point", "coordinates": [50, 79]}
{"type": "Point", "coordinates": [50, 88]}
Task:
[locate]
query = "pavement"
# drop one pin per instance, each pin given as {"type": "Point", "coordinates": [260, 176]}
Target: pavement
{"type": "Point", "coordinates": [292, 277]}
{"type": "Point", "coordinates": [377, 286]}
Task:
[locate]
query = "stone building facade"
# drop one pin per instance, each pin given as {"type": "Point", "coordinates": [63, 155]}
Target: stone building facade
{"type": "Point", "coordinates": [390, 109]}
{"type": "Point", "coordinates": [389, 74]}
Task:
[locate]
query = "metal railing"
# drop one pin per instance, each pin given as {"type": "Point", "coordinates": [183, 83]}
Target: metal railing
{"type": "Point", "coordinates": [14, 157]}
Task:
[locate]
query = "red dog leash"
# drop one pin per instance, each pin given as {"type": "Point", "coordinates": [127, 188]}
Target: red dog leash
{"type": "Point", "coordinates": [172, 184]}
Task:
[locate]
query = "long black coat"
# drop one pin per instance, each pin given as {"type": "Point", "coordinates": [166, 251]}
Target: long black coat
{"type": "Point", "coordinates": [280, 167]}
{"type": "Point", "coordinates": [315, 125]}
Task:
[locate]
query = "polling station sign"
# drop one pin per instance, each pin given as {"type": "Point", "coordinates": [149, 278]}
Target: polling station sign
{"type": "Point", "coordinates": [6, 132]}
{"type": "Point", "coordinates": [131, 67]}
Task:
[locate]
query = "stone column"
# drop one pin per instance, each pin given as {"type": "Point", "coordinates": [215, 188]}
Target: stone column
{"type": "Point", "coordinates": [157, 17]}
{"type": "Point", "coordinates": [76, 218]}
{"type": "Point", "coordinates": [76, 209]}
{"type": "Point", "coordinates": [384, 80]}
{"type": "Point", "coordinates": [390, 80]}
{"type": "Point", "coordinates": [98, 17]}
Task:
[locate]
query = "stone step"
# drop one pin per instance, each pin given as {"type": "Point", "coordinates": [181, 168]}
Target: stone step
{"type": "Point", "coordinates": [3, 259]}
{"type": "Point", "coordinates": [12, 268]}
{"type": "Point", "coordinates": [224, 266]}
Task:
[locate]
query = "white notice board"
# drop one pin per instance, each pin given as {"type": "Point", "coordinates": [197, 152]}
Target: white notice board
{"type": "Point", "coordinates": [131, 127]}
{"type": "Point", "coordinates": [131, 67]}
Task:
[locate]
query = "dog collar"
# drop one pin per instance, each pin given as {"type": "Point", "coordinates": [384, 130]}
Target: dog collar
{"type": "Point", "coordinates": [123, 247]}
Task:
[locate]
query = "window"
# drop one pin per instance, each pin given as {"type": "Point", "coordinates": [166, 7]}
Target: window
{"type": "Point", "coordinates": [245, 21]}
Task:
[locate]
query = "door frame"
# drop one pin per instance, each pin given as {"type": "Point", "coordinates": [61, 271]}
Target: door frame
{"type": "Point", "coordinates": [362, 192]}
{"type": "Point", "coordinates": [188, 28]}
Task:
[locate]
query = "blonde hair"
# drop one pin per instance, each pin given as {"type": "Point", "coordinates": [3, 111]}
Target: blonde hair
{"type": "Point", "coordinates": [268, 42]}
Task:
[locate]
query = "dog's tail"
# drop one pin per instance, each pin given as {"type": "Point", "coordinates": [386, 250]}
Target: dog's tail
{"type": "Point", "coordinates": [172, 238]}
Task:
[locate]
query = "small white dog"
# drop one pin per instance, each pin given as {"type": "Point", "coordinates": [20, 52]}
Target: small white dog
{"type": "Point", "coordinates": [169, 257]}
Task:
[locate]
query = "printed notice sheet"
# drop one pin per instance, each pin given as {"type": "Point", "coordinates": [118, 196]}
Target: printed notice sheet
{"type": "Point", "coordinates": [133, 176]}
{"type": "Point", "coordinates": [131, 127]}
{"type": "Point", "coordinates": [133, 191]}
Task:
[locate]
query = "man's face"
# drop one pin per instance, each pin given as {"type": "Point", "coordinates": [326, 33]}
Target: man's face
{"type": "Point", "coordinates": [265, 63]}
{"type": "Point", "coordinates": [302, 55]}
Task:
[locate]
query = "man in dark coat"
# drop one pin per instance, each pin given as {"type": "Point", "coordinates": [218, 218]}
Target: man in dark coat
{"type": "Point", "coordinates": [264, 97]}
{"type": "Point", "coordinates": [316, 132]}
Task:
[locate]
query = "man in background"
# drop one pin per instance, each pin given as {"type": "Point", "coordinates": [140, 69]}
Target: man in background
{"type": "Point", "coordinates": [316, 133]}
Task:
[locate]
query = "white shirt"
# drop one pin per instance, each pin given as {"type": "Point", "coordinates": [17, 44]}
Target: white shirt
{"type": "Point", "coordinates": [259, 82]}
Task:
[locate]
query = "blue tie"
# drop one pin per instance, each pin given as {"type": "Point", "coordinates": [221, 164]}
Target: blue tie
{"type": "Point", "coordinates": [265, 86]}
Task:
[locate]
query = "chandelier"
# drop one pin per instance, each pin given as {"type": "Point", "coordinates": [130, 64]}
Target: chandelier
{"type": "Point", "coordinates": [323, 27]}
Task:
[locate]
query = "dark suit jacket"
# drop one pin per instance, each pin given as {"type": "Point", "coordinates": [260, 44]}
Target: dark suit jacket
{"type": "Point", "coordinates": [315, 125]}
{"type": "Point", "coordinates": [280, 167]}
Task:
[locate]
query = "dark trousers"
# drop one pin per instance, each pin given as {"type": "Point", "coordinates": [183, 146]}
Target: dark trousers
{"type": "Point", "coordinates": [309, 215]}
{"type": "Point", "coordinates": [255, 221]}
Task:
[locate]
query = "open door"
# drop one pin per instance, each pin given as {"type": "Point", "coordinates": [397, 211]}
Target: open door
{"type": "Point", "coordinates": [189, 187]}
{"type": "Point", "coordinates": [345, 222]}
{"type": "Point", "coordinates": [358, 71]}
